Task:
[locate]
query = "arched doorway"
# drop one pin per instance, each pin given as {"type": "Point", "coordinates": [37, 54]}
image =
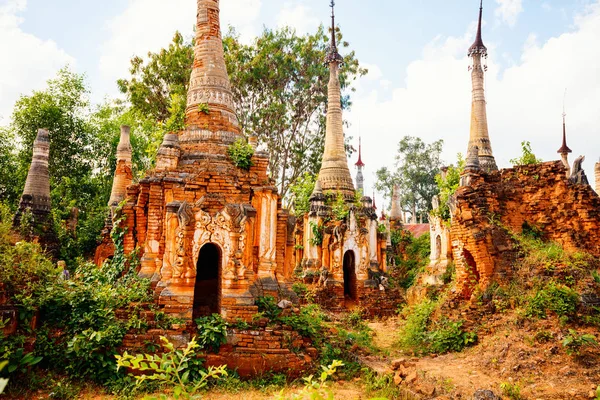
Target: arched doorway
{"type": "Point", "coordinates": [207, 290]}
{"type": "Point", "coordinates": [472, 275]}
{"type": "Point", "coordinates": [349, 276]}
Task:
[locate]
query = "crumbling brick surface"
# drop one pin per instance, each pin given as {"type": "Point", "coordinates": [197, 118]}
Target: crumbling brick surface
{"type": "Point", "coordinates": [504, 202]}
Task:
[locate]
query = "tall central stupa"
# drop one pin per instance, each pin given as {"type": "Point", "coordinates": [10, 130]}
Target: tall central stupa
{"type": "Point", "coordinates": [335, 175]}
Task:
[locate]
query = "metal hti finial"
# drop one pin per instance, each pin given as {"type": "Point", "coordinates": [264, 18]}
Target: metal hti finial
{"type": "Point", "coordinates": [332, 53]}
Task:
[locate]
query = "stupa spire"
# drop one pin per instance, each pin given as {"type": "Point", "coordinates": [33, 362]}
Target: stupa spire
{"type": "Point", "coordinates": [36, 194]}
{"type": "Point", "coordinates": [360, 179]}
{"type": "Point", "coordinates": [210, 116]}
{"type": "Point", "coordinates": [123, 171]}
{"type": "Point", "coordinates": [479, 135]}
{"type": "Point", "coordinates": [597, 174]}
{"type": "Point", "coordinates": [335, 174]}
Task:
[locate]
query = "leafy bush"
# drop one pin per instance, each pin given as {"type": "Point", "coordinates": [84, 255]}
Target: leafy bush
{"type": "Point", "coordinates": [413, 334]}
{"type": "Point", "coordinates": [268, 307]}
{"type": "Point", "coordinates": [450, 336]}
{"type": "Point", "coordinates": [527, 156]}
{"type": "Point", "coordinates": [557, 298]}
{"type": "Point", "coordinates": [212, 332]}
{"type": "Point", "coordinates": [301, 192]}
{"type": "Point", "coordinates": [173, 368]}
{"type": "Point", "coordinates": [240, 153]}
{"type": "Point", "coordinates": [574, 342]}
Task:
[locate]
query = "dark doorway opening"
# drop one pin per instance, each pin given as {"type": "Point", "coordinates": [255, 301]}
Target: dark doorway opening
{"type": "Point", "coordinates": [207, 291]}
{"type": "Point", "coordinates": [349, 276]}
{"type": "Point", "coordinates": [472, 278]}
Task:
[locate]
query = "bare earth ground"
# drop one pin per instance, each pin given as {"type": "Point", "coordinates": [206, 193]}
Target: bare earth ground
{"type": "Point", "coordinates": [509, 355]}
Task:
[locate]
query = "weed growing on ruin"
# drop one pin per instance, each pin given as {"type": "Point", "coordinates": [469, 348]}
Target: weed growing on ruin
{"type": "Point", "coordinates": [511, 390]}
{"type": "Point", "coordinates": [212, 332]}
{"type": "Point", "coordinates": [175, 368]}
{"type": "Point", "coordinates": [527, 157]}
{"type": "Point", "coordinates": [240, 153]}
{"type": "Point", "coordinates": [556, 298]}
{"type": "Point", "coordinates": [318, 231]}
{"type": "Point", "coordinates": [574, 343]}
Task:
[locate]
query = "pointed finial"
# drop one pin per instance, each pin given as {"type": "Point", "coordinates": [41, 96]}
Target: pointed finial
{"type": "Point", "coordinates": [359, 163]}
{"type": "Point", "coordinates": [478, 47]}
{"type": "Point", "coordinates": [332, 53]}
{"type": "Point", "coordinates": [564, 148]}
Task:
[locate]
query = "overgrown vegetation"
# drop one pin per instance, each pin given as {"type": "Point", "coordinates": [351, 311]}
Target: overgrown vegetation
{"type": "Point", "coordinates": [422, 334]}
{"type": "Point", "coordinates": [408, 258]}
{"type": "Point", "coordinates": [179, 369]}
{"type": "Point", "coordinates": [240, 153]}
{"type": "Point", "coordinates": [527, 157]}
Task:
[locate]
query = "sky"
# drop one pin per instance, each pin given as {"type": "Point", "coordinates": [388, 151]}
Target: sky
{"type": "Point", "coordinates": [418, 82]}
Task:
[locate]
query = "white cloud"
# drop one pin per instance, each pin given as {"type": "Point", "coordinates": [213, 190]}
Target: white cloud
{"type": "Point", "coordinates": [149, 25]}
{"type": "Point", "coordinates": [29, 61]}
{"type": "Point", "coordinates": [524, 101]}
{"type": "Point", "coordinates": [297, 16]}
{"type": "Point", "coordinates": [509, 10]}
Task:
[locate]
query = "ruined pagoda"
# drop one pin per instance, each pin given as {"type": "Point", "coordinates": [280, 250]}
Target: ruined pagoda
{"type": "Point", "coordinates": [36, 194]}
{"type": "Point", "coordinates": [207, 231]}
{"type": "Point", "coordinates": [360, 165]}
{"type": "Point", "coordinates": [334, 174]}
{"type": "Point", "coordinates": [479, 136]}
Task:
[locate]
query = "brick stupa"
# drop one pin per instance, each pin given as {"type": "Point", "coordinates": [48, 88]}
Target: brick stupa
{"type": "Point", "coordinates": [212, 236]}
{"type": "Point", "coordinates": [479, 135]}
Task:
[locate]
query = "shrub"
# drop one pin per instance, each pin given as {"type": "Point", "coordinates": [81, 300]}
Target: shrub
{"type": "Point", "coordinates": [413, 333]}
{"type": "Point", "coordinates": [450, 336]}
{"type": "Point", "coordinates": [212, 332]}
{"type": "Point", "coordinates": [268, 307]}
{"type": "Point", "coordinates": [173, 368]}
{"type": "Point", "coordinates": [240, 153]}
{"type": "Point", "coordinates": [574, 342]}
{"type": "Point", "coordinates": [554, 297]}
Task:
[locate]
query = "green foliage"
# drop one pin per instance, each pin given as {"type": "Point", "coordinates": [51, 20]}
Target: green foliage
{"type": "Point", "coordinates": [421, 335]}
{"type": "Point", "coordinates": [159, 79]}
{"type": "Point", "coordinates": [280, 95]}
{"type": "Point", "coordinates": [410, 255]}
{"type": "Point", "coordinates": [3, 381]}
{"type": "Point", "coordinates": [527, 157]}
{"type": "Point", "coordinates": [511, 390]}
{"type": "Point", "coordinates": [174, 368]}
{"type": "Point", "coordinates": [315, 389]}
{"type": "Point", "coordinates": [417, 165]}
{"type": "Point", "coordinates": [268, 307]}
{"type": "Point", "coordinates": [450, 336]}
{"type": "Point", "coordinates": [557, 298]}
{"type": "Point", "coordinates": [413, 333]}
{"type": "Point", "coordinates": [301, 191]}
{"type": "Point", "coordinates": [339, 207]}
{"type": "Point", "coordinates": [212, 332]}
{"type": "Point", "coordinates": [318, 231]}
{"type": "Point", "coordinates": [240, 153]}
{"type": "Point", "coordinates": [574, 342]}
{"type": "Point", "coordinates": [448, 186]}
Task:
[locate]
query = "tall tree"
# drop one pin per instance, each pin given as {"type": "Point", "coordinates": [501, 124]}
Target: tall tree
{"type": "Point", "coordinates": [417, 165]}
{"type": "Point", "coordinates": [279, 85]}
{"type": "Point", "coordinates": [9, 179]}
{"type": "Point", "coordinates": [79, 157]}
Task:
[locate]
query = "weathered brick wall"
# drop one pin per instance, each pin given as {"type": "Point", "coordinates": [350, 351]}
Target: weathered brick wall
{"type": "Point", "coordinates": [251, 352]}
{"type": "Point", "coordinates": [374, 302]}
{"type": "Point", "coordinates": [538, 195]}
